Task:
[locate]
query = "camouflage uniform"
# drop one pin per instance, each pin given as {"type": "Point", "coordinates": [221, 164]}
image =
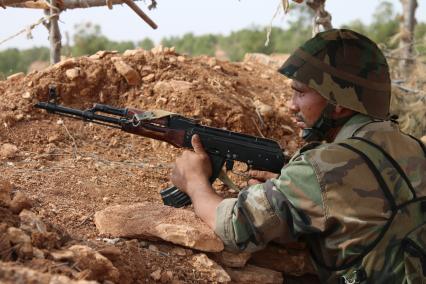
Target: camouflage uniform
{"type": "Point", "coordinates": [359, 202]}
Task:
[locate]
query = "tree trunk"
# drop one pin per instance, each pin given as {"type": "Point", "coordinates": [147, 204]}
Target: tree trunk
{"type": "Point", "coordinates": [54, 34]}
{"type": "Point", "coordinates": [407, 32]}
{"type": "Point", "coordinates": [322, 17]}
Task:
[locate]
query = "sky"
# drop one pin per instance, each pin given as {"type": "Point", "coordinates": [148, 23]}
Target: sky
{"type": "Point", "coordinates": [175, 18]}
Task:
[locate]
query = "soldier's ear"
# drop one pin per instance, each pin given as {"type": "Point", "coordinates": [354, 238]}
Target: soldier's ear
{"type": "Point", "coordinates": [340, 111]}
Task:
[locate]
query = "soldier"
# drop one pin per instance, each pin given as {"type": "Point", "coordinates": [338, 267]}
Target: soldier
{"type": "Point", "coordinates": [356, 193]}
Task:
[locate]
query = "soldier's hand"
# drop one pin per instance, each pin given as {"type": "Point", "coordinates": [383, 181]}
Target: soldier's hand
{"type": "Point", "coordinates": [192, 169]}
{"type": "Point", "coordinates": [260, 176]}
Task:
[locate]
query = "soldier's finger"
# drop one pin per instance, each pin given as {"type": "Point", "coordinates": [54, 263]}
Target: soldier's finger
{"type": "Point", "coordinates": [197, 145]}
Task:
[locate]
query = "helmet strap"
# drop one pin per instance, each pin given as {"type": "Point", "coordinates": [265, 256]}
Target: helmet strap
{"type": "Point", "coordinates": [322, 127]}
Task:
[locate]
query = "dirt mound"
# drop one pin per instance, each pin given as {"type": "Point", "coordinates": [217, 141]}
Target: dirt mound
{"type": "Point", "coordinates": [69, 169]}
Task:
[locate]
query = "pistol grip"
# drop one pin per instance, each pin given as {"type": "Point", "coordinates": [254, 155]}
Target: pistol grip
{"type": "Point", "coordinates": [172, 196]}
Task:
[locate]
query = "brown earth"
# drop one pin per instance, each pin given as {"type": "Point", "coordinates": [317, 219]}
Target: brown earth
{"type": "Point", "coordinates": [64, 170]}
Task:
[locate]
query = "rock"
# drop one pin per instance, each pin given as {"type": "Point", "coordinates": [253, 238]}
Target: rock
{"type": "Point", "coordinates": [212, 62]}
{"type": "Point", "coordinates": [62, 255]}
{"type": "Point", "coordinates": [264, 109]}
{"type": "Point", "coordinates": [156, 221]}
{"type": "Point", "coordinates": [207, 266]}
{"type": "Point", "coordinates": [131, 75]}
{"type": "Point", "coordinates": [181, 251]}
{"type": "Point", "coordinates": [166, 276]}
{"type": "Point", "coordinates": [148, 78]}
{"type": "Point", "coordinates": [16, 76]}
{"type": "Point", "coordinates": [17, 236]}
{"type": "Point", "coordinates": [38, 253]}
{"type": "Point", "coordinates": [157, 50]}
{"type": "Point", "coordinates": [153, 248]}
{"type": "Point", "coordinates": [132, 52]}
{"type": "Point", "coordinates": [5, 245]}
{"type": "Point", "coordinates": [24, 251]}
{"type": "Point", "coordinates": [111, 252]}
{"type": "Point", "coordinates": [423, 139]}
{"type": "Point", "coordinates": [67, 63]}
{"type": "Point", "coordinates": [8, 151]}
{"type": "Point", "coordinates": [102, 53]}
{"type": "Point", "coordinates": [253, 274]}
{"type": "Point", "coordinates": [231, 259]}
{"type": "Point", "coordinates": [5, 193]}
{"type": "Point", "coordinates": [100, 268]}
{"type": "Point", "coordinates": [27, 95]}
{"type": "Point", "coordinates": [181, 58]}
{"type": "Point", "coordinates": [53, 137]}
{"type": "Point", "coordinates": [292, 262]}
{"type": "Point", "coordinates": [20, 202]}
{"type": "Point", "coordinates": [73, 73]}
{"type": "Point", "coordinates": [172, 86]}
{"type": "Point", "coordinates": [31, 222]}
{"type": "Point", "coordinates": [15, 273]}
{"type": "Point", "coordinates": [156, 275]}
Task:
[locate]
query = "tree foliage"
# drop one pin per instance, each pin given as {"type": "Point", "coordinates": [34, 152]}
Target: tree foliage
{"type": "Point", "coordinates": [88, 39]}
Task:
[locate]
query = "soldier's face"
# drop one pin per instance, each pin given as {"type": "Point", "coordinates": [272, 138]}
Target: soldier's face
{"type": "Point", "coordinates": [307, 104]}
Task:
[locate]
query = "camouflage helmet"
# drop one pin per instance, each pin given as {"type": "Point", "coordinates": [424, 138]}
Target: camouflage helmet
{"type": "Point", "coordinates": [346, 68]}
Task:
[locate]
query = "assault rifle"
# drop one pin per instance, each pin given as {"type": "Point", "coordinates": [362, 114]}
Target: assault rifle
{"type": "Point", "coordinates": [223, 147]}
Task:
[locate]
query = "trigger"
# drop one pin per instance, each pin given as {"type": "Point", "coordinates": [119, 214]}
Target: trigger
{"type": "Point", "coordinates": [229, 165]}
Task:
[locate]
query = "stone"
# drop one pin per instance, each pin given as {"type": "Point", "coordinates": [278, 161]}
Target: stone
{"type": "Point", "coordinates": [17, 236]}
{"type": "Point", "coordinates": [166, 276]}
{"type": "Point", "coordinates": [172, 86]}
{"type": "Point", "coordinates": [27, 95]}
{"type": "Point", "coordinates": [264, 109]}
{"type": "Point", "coordinates": [24, 250]}
{"type": "Point", "coordinates": [31, 222]}
{"type": "Point", "coordinates": [253, 274]}
{"type": "Point", "coordinates": [231, 259]}
{"type": "Point", "coordinates": [131, 75]}
{"type": "Point", "coordinates": [62, 255]}
{"type": "Point", "coordinates": [73, 73]}
{"type": "Point", "coordinates": [38, 253]}
{"type": "Point", "coordinates": [157, 221]}
{"type": "Point", "coordinates": [102, 53]}
{"type": "Point", "coordinates": [111, 252]}
{"type": "Point", "coordinates": [5, 193]}
{"type": "Point", "coordinates": [205, 265]}
{"type": "Point", "coordinates": [211, 62]}
{"type": "Point", "coordinates": [181, 251]}
{"type": "Point", "coordinates": [15, 273]}
{"type": "Point", "coordinates": [16, 76]}
{"type": "Point", "coordinates": [98, 266]}
{"type": "Point", "coordinates": [20, 202]}
{"type": "Point", "coordinates": [5, 245]}
{"type": "Point", "coordinates": [132, 52]}
{"type": "Point", "coordinates": [8, 151]}
{"type": "Point", "coordinates": [148, 78]}
{"type": "Point", "coordinates": [294, 262]}
{"type": "Point", "coordinates": [181, 58]}
{"type": "Point", "coordinates": [423, 139]}
{"type": "Point", "coordinates": [67, 63]}
{"type": "Point", "coordinates": [156, 275]}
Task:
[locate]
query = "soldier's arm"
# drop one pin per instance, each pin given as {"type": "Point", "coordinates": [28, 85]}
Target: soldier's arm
{"type": "Point", "coordinates": [284, 207]}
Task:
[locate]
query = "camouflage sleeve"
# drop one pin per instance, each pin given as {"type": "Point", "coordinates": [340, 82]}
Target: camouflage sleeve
{"type": "Point", "coordinates": [286, 208]}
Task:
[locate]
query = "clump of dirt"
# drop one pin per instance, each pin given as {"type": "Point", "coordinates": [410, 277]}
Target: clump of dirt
{"type": "Point", "coordinates": [69, 169]}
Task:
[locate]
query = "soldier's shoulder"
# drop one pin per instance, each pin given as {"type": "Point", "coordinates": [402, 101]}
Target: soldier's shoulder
{"type": "Point", "coordinates": [325, 152]}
